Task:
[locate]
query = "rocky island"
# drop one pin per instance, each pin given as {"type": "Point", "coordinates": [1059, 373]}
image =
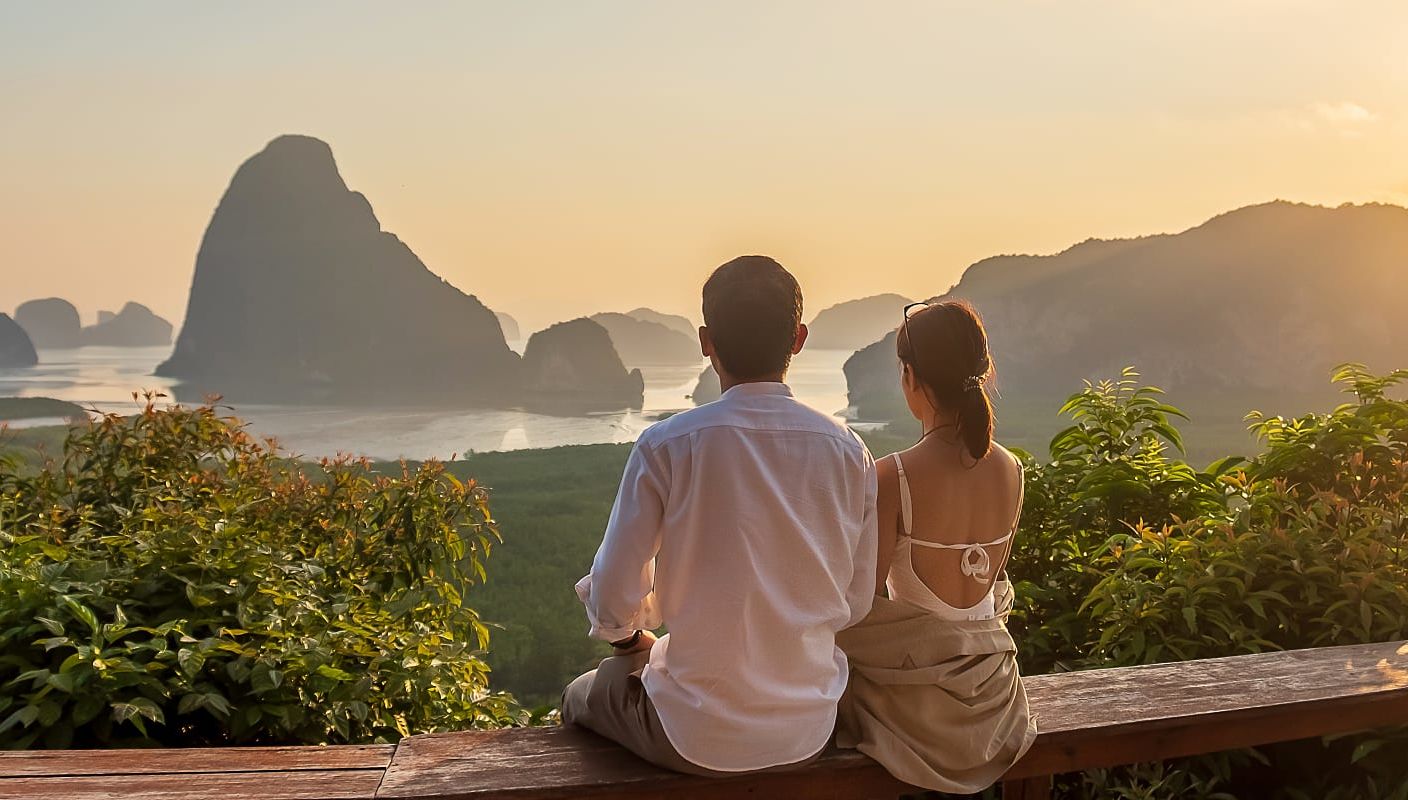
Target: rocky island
{"type": "Point", "coordinates": [299, 295]}
{"type": "Point", "coordinates": [134, 326]}
{"type": "Point", "coordinates": [16, 349]}
{"type": "Point", "coordinates": [707, 388]}
{"type": "Point", "coordinates": [573, 366]}
{"type": "Point", "coordinates": [50, 322]}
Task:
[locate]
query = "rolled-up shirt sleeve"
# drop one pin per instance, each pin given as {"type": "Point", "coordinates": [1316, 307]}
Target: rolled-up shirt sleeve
{"type": "Point", "coordinates": [619, 593]}
{"type": "Point", "coordinates": [860, 594]}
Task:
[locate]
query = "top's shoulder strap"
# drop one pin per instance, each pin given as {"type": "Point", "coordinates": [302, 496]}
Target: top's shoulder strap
{"type": "Point", "coordinates": [906, 504]}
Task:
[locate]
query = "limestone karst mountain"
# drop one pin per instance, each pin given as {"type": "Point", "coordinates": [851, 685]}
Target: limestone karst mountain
{"type": "Point", "coordinates": [509, 326]}
{"type": "Point", "coordinates": [105, 316]}
{"type": "Point", "coordinates": [16, 350]}
{"type": "Point", "coordinates": [134, 326]}
{"type": "Point", "coordinates": [644, 343]}
{"type": "Point", "coordinates": [1254, 306]}
{"type": "Point", "coordinates": [300, 295]}
{"type": "Point", "coordinates": [856, 323]}
{"type": "Point", "coordinates": [707, 388]}
{"type": "Point", "coordinates": [672, 321]}
{"type": "Point", "coordinates": [573, 367]}
{"type": "Point", "coordinates": [50, 322]}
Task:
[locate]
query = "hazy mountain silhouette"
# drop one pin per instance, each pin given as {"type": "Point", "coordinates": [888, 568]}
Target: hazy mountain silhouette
{"type": "Point", "coordinates": [856, 323]}
{"type": "Point", "coordinates": [643, 343]}
{"type": "Point", "coordinates": [134, 326]}
{"type": "Point", "coordinates": [508, 325]}
{"type": "Point", "coordinates": [573, 366]}
{"type": "Point", "coordinates": [50, 322]}
{"type": "Point", "coordinates": [105, 316]}
{"type": "Point", "coordinates": [299, 294]}
{"type": "Point", "coordinates": [672, 321]}
{"type": "Point", "coordinates": [1255, 305]}
{"type": "Point", "coordinates": [707, 388]}
{"type": "Point", "coordinates": [16, 350]}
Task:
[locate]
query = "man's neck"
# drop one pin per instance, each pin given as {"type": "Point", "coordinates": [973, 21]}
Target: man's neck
{"type": "Point", "coordinates": [727, 382]}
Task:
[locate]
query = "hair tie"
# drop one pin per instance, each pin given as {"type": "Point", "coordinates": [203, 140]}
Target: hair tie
{"type": "Point", "coordinates": [974, 382]}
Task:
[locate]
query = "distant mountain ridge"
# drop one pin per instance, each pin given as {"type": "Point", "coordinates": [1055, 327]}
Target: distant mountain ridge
{"type": "Point", "coordinates": [1259, 302]}
{"type": "Point", "coordinates": [856, 323]}
{"type": "Point", "coordinates": [641, 341]}
{"type": "Point", "coordinates": [674, 322]}
{"type": "Point", "coordinates": [134, 326]}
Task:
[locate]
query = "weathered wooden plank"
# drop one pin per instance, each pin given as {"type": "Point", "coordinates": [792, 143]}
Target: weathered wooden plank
{"type": "Point", "coordinates": [38, 763]}
{"type": "Point", "coordinates": [570, 762]}
{"type": "Point", "coordinates": [1088, 719]}
{"type": "Point", "coordinates": [1104, 718]}
{"type": "Point", "coordinates": [1035, 788]}
{"type": "Point", "coordinates": [1099, 699]}
{"type": "Point", "coordinates": [346, 784]}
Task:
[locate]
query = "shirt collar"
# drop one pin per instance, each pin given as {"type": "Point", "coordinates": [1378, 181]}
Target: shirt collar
{"type": "Point", "coordinates": [759, 388]}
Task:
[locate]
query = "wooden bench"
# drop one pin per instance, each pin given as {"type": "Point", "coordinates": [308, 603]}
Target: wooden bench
{"type": "Point", "coordinates": [1099, 718]}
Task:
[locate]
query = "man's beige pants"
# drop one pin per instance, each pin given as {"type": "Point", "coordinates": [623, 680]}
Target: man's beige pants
{"type": "Point", "coordinates": [611, 701]}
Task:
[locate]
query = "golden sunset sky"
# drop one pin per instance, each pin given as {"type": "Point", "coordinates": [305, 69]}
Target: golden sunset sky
{"type": "Point", "coordinates": [562, 158]}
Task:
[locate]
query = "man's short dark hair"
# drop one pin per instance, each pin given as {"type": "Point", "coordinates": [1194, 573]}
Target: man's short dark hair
{"type": "Point", "coordinates": [752, 308]}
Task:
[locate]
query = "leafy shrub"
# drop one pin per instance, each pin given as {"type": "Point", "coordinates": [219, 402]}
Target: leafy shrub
{"type": "Point", "coordinates": [1128, 557]}
{"type": "Point", "coordinates": [1111, 468]}
{"type": "Point", "coordinates": [172, 581]}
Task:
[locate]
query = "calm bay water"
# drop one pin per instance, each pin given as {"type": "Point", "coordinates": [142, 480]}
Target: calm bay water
{"type": "Point", "coordinates": [106, 377]}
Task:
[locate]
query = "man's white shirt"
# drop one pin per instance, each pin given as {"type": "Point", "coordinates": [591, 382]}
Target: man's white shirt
{"type": "Point", "coordinates": [747, 526]}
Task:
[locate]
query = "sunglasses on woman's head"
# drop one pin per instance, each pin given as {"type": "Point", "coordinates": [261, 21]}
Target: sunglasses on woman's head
{"type": "Point", "coordinates": [909, 311]}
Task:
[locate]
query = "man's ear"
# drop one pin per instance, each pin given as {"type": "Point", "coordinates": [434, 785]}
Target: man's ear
{"type": "Point", "coordinates": [801, 339]}
{"type": "Point", "coordinates": [706, 343]}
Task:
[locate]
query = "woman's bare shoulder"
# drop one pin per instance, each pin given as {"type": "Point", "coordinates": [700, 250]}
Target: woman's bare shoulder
{"type": "Point", "coordinates": [885, 471]}
{"type": "Point", "coordinates": [1006, 460]}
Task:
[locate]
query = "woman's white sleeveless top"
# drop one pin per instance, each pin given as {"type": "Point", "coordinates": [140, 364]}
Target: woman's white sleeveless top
{"type": "Point", "coordinates": [975, 562]}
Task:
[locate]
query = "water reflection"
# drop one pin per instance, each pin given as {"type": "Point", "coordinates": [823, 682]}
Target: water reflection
{"type": "Point", "coordinates": [106, 377]}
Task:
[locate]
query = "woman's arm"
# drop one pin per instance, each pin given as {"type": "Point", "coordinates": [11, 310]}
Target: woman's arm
{"type": "Point", "coordinates": [887, 511]}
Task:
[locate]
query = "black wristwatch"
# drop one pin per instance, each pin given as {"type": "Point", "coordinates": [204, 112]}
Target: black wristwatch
{"type": "Point", "coordinates": [626, 644]}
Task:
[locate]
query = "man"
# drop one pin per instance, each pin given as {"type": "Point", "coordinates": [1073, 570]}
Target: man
{"type": "Point", "coordinates": [747, 527]}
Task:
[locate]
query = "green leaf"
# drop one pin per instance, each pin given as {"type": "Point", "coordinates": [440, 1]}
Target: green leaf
{"type": "Point", "coordinates": [82, 612]}
{"type": "Point", "coordinates": [190, 660]}
{"type": "Point", "coordinates": [1364, 748]}
{"type": "Point", "coordinates": [334, 673]}
{"type": "Point", "coordinates": [135, 709]}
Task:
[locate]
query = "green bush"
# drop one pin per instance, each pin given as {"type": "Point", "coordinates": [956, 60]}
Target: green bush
{"type": "Point", "coordinates": [1129, 556]}
{"type": "Point", "coordinates": [172, 581]}
{"type": "Point", "coordinates": [1111, 468]}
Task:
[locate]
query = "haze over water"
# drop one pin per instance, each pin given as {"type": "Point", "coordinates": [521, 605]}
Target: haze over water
{"type": "Point", "coordinates": [105, 378]}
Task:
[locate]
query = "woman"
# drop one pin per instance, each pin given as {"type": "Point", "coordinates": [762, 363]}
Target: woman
{"type": "Point", "coordinates": [935, 695]}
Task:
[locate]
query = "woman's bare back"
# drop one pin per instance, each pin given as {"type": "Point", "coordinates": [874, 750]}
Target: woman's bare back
{"type": "Point", "coordinates": [955, 502]}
